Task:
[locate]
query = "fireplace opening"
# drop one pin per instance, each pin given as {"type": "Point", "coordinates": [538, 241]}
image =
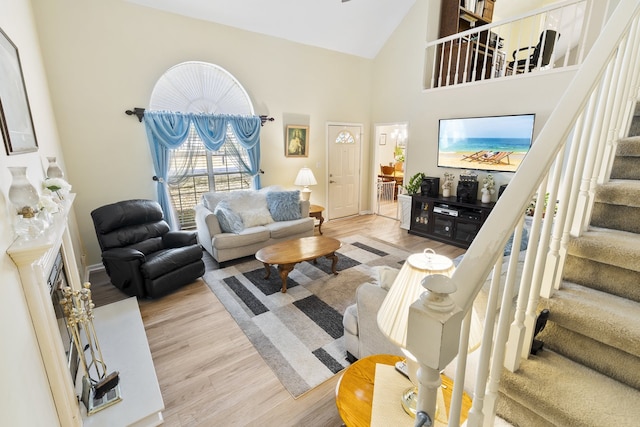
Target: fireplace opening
{"type": "Point", "coordinates": [56, 282]}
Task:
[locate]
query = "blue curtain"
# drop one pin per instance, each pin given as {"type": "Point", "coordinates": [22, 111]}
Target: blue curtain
{"type": "Point", "coordinates": [168, 130]}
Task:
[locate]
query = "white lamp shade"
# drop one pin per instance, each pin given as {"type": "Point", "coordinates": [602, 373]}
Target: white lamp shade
{"type": "Point", "coordinates": [305, 178]}
{"type": "Point", "coordinates": [393, 316]}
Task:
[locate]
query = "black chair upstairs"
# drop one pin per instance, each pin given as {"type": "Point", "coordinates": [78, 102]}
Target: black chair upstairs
{"type": "Point", "coordinates": [141, 255]}
{"type": "Point", "coordinates": [540, 57]}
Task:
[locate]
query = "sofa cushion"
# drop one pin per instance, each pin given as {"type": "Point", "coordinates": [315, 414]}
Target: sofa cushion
{"type": "Point", "coordinates": [246, 237]}
{"type": "Point", "coordinates": [284, 229]}
{"type": "Point", "coordinates": [284, 205]}
{"type": "Point", "coordinates": [162, 262]}
{"type": "Point", "coordinates": [386, 276]}
{"type": "Point", "coordinates": [211, 199]}
{"type": "Point", "coordinates": [230, 221]}
{"type": "Point", "coordinates": [255, 217]}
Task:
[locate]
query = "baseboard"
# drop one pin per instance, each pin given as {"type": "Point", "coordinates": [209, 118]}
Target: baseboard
{"type": "Point", "coordinates": [90, 269]}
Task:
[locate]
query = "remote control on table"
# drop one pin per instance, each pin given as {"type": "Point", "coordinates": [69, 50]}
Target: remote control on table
{"type": "Point", "coordinates": [402, 368]}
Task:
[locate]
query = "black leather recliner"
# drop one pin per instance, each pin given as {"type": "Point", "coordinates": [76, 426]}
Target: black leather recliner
{"type": "Point", "coordinates": [141, 255]}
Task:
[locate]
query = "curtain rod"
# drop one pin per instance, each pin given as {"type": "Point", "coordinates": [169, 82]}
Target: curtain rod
{"type": "Point", "coordinates": [139, 113]}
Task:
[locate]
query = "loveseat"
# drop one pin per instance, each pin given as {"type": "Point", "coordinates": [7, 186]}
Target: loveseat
{"type": "Point", "coordinates": [360, 321]}
{"type": "Point", "coordinates": [362, 336]}
{"type": "Point", "coordinates": [237, 224]}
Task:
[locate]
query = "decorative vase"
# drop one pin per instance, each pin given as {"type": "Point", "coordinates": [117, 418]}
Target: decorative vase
{"type": "Point", "coordinates": [446, 192]}
{"type": "Point", "coordinates": [486, 197]}
{"type": "Point", "coordinates": [24, 198]}
{"type": "Point", "coordinates": [54, 171]}
{"type": "Point", "coordinates": [22, 194]}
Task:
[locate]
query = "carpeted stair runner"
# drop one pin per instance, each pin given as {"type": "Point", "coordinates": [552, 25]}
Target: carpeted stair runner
{"type": "Point", "coordinates": [606, 260]}
{"type": "Point", "coordinates": [616, 205]}
{"type": "Point", "coordinates": [588, 373]}
{"type": "Point", "coordinates": [626, 164]}
{"type": "Point", "coordinates": [565, 393]}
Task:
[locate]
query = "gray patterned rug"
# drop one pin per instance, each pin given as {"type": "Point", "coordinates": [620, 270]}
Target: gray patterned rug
{"type": "Point", "coordinates": [299, 334]}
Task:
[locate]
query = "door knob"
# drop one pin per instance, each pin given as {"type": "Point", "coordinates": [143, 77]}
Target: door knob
{"type": "Point", "coordinates": [331, 181]}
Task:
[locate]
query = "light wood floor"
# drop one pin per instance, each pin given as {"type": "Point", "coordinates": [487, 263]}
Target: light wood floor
{"type": "Point", "coordinates": [209, 372]}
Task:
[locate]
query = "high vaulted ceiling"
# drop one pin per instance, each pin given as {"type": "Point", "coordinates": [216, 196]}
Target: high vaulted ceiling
{"type": "Point", "coordinates": [356, 27]}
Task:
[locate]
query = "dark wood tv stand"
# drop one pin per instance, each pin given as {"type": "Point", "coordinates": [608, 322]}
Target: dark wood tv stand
{"type": "Point", "coordinates": [445, 226]}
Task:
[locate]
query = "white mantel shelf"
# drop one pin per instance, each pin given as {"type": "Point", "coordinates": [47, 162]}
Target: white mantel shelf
{"type": "Point", "coordinates": [25, 252]}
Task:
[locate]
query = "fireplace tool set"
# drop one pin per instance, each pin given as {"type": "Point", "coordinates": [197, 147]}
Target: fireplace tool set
{"type": "Point", "coordinates": [101, 390]}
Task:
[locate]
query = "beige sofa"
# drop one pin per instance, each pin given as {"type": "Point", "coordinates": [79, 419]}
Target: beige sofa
{"type": "Point", "coordinates": [236, 224]}
{"type": "Point", "coordinates": [362, 336]}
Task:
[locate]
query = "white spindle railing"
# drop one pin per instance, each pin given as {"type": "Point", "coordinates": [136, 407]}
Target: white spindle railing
{"type": "Point", "coordinates": [571, 155]}
{"type": "Point", "coordinates": [488, 51]}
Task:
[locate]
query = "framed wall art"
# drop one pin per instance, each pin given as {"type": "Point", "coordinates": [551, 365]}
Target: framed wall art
{"type": "Point", "coordinates": [16, 123]}
{"type": "Point", "coordinates": [297, 141]}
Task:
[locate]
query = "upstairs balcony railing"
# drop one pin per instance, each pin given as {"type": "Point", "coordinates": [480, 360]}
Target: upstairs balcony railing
{"type": "Point", "coordinates": [572, 153]}
{"type": "Point", "coordinates": [552, 37]}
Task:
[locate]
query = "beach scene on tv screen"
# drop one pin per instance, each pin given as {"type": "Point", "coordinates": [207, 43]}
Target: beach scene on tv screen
{"type": "Point", "coordinates": [485, 143]}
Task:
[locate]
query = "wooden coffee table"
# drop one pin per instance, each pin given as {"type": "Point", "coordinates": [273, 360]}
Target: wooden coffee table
{"type": "Point", "coordinates": [290, 252]}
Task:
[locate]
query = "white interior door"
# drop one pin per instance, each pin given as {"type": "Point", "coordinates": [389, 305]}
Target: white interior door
{"type": "Point", "coordinates": [344, 148]}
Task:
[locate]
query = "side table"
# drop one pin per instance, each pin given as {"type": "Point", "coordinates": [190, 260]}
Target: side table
{"type": "Point", "coordinates": [354, 392]}
{"type": "Point", "coordinates": [315, 211]}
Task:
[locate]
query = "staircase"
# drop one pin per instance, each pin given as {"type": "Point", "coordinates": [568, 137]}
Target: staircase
{"type": "Point", "coordinates": [588, 373]}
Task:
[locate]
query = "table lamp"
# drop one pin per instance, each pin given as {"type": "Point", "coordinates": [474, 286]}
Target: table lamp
{"type": "Point", "coordinates": [305, 178]}
{"type": "Point", "coordinates": [393, 315]}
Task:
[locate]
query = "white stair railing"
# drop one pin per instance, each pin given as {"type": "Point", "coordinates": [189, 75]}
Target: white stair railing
{"type": "Point", "coordinates": [492, 51]}
{"type": "Point", "coordinates": [572, 153]}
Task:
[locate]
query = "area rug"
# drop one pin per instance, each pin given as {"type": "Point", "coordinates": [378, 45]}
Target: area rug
{"type": "Point", "coordinates": [299, 334]}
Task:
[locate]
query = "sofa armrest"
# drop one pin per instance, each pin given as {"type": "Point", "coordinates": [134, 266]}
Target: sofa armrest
{"type": "Point", "coordinates": [178, 239]}
{"type": "Point", "coordinates": [369, 298]}
{"type": "Point", "coordinates": [207, 226]}
{"type": "Point", "coordinates": [123, 255]}
{"type": "Point", "coordinates": [305, 205]}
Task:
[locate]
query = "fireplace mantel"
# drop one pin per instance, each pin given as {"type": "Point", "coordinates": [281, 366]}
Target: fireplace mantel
{"type": "Point", "coordinates": [34, 259]}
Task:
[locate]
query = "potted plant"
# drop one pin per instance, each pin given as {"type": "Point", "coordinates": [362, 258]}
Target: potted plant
{"type": "Point", "coordinates": [404, 200]}
{"type": "Point", "coordinates": [413, 186]}
{"type": "Point", "coordinates": [447, 184]}
{"type": "Point", "coordinates": [488, 188]}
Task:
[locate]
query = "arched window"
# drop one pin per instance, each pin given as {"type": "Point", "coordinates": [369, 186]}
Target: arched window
{"type": "Point", "coordinates": [199, 87]}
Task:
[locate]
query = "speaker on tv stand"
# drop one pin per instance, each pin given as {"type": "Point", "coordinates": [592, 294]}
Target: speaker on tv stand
{"type": "Point", "coordinates": [430, 186]}
{"type": "Point", "coordinates": [467, 191]}
{"type": "Point", "coordinates": [501, 190]}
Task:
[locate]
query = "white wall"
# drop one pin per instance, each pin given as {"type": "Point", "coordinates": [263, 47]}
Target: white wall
{"type": "Point", "coordinates": [103, 57]}
{"type": "Point", "coordinates": [398, 95]}
{"type": "Point", "coordinates": [25, 398]}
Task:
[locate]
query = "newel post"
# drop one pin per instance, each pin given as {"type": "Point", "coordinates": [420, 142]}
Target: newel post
{"type": "Point", "coordinates": [433, 336]}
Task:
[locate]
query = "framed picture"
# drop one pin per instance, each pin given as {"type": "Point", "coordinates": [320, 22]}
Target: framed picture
{"type": "Point", "coordinates": [297, 141]}
{"type": "Point", "coordinates": [383, 139]}
{"type": "Point", "coordinates": [16, 124]}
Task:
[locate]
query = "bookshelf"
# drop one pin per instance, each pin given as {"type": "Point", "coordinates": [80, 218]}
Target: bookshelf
{"type": "Point", "coordinates": [458, 58]}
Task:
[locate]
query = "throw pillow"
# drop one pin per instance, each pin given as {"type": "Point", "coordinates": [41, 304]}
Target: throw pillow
{"type": "Point", "coordinates": [230, 222]}
{"type": "Point", "coordinates": [256, 217]}
{"type": "Point", "coordinates": [386, 276]}
{"type": "Point", "coordinates": [284, 205]}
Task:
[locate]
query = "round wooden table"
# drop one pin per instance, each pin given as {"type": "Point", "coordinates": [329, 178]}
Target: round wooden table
{"type": "Point", "coordinates": [354, 392]}
{"type": "Point", "coordinates": [290, 252]}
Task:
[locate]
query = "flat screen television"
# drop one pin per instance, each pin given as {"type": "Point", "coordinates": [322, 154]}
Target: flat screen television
{"type": "Point", "coordinates": [495, 143]}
